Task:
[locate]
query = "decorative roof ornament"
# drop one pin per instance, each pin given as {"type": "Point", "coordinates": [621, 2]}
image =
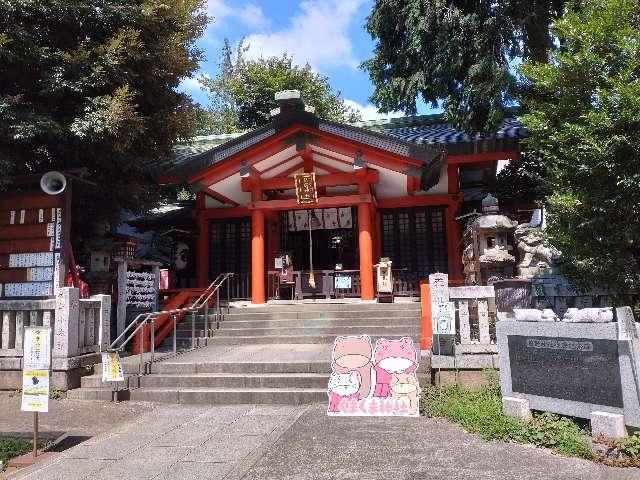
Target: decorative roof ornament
{"type": "Point", "coordinates": [490, 204]}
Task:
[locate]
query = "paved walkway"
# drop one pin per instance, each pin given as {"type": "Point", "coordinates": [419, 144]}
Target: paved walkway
{"type": "Point", "coordinates": [286, 442]}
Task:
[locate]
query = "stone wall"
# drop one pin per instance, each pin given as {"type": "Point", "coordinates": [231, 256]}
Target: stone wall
{"type": "Point", "coordinates": [80, 329]}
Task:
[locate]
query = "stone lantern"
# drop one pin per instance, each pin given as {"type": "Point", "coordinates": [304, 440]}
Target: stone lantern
{"type": "Point", "coordinates": [487, 255]}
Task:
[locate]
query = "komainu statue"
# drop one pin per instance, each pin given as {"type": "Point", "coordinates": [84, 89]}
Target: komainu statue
{"type": "Point", "coordinates": [537, 257]}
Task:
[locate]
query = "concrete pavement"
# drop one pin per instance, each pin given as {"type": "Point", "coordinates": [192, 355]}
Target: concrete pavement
{"type": "Point", "coordinates": [301, 442]}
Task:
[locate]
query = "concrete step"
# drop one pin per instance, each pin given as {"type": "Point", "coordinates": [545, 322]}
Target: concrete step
{"type": "Point", "coordinates": [331, 322]}
{"type": "Point", "coordinates": [315, 315]}
{"type": "Point", "coordinates": [373, 331]}
{"type": "Point", "coordinates": [228, 396]}
{"type": "Point", "coordinates": [189, 368]}
{"type": "Point", "coordinates": [293, 320]}
{"type": "Point", "coordinates": [327, 307]}
{"type": "Point", "coordinates": [236, 380]}
{"type": "Point", "coordinates": [390, 330]}
{"type": "Point", "coordinates": [102, 394]}
{"type": "Point", "coordinates": [296, 339]}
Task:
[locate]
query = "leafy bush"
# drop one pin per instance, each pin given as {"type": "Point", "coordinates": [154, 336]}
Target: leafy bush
{"type": "Point", "coordinates": [630, 446]}
{"type": "Point", "coordinates": [480, 412]}
{"type": "Point", "coordinates": [10, 448]}
{"type": "Point", "coordinates": [561, 434]}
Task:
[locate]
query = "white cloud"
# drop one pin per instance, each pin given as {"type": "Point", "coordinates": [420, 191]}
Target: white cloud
{"type": "Point", "coordinates": [192, 84]}
{"type": "Point", "coordinates": [370, 112]}
{"type": "Point", "coordinates": [317, 34]}
{"type": "Point", "coordinates": [250, 14]}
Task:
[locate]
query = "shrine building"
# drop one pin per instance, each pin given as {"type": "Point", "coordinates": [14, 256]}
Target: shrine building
{"type": "Point", "coordinates": [387, 189]}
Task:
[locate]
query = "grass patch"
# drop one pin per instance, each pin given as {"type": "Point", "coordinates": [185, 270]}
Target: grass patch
{"type": "Point", "coordinates": [480, 412]}
{"type": "Point", "coordinates": [10, 448]}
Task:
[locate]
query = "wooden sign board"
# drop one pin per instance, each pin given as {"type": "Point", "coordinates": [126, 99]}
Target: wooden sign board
{"type": "Point", "coordinates": [306, 189]}
{"type": "Point", "coordinates": [34, 233]}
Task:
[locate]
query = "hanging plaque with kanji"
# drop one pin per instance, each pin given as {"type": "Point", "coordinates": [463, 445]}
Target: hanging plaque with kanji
{"type": "Point", "coordinates": [306, 191]}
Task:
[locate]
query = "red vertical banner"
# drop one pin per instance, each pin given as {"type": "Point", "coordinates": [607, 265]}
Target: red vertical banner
{"type": "Point", "coordinates": [426, 326]}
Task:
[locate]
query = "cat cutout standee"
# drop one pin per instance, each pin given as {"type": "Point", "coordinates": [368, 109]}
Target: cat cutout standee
{"type": "Point", "coordinates": [373, 382]}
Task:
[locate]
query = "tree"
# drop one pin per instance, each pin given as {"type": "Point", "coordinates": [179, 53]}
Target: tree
{"type": "Point", "coordinates": [584, 118]}
{"type": "Point", "coordinates": [522, 180]}
{"type": "Point", "coordinates": [92, 84]}
{"type": "Point", "coordinates": [456, 53]}
{"type": "Point", "coordinates": [242, 94]}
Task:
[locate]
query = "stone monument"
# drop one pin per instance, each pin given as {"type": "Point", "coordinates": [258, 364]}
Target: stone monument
{"type": "Point", "coordinates": [585, 365]}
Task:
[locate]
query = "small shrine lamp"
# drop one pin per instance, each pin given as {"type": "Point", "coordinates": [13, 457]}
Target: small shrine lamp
{"type": "Point", "coordinates": [244, 169]}
{"type": "Point", "coordinates": [358, 163]}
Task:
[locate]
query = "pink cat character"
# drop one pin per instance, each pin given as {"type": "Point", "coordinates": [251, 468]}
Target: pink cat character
{"type": "Point", "coordinates": [392, 356]}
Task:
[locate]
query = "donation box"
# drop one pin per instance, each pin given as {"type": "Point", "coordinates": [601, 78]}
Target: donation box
{"type": "Point", "coordinates": [384, 276]}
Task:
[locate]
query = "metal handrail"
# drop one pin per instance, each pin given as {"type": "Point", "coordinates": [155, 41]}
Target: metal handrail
{"type": "Point", "coordinates": [149, 318]}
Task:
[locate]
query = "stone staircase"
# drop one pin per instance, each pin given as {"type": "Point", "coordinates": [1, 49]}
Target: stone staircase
{"type": "Point", "coordinates": [271, 354]}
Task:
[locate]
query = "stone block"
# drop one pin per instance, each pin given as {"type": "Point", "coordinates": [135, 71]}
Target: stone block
{"type": "Point", "coordinates": [444, 378]}
{"type": "Point", "coordinates": [517, 408]}
{"type": "Point", "coordinates": [610, 425]}
{"type": "Point", "coordinates": [65, 335]}
{"type": "Point", "coordinates": [472, 379]}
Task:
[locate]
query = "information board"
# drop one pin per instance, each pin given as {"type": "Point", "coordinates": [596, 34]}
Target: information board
{"type": "Point", "coordinates": [35, 391]}
{"type": "Point", "coordinates": [111, 367]}
{"type": "Point", "coordinates": [36, 366]}
{"type": "Point", "coordinates": [579, 369]}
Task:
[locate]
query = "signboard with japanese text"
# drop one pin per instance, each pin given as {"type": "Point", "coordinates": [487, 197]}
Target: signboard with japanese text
{"type": "Point", "coordinates": [111, 367]}
{"type": "Point", "coordinates": [34, 243]}
{"type": "Point", "coordinates": [36, 365]}
{"type": "Point", "coordinates": [35, 391]}
{"type": "Point", "coordinates": [37, 348]}
{"type": "Point", "coordinates": [306, 190]}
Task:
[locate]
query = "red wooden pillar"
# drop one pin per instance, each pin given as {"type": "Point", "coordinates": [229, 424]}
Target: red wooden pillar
{"type": "Point", "coordinates": [257, 256]}
{"type": "Point", "coordinates": [365, 245]}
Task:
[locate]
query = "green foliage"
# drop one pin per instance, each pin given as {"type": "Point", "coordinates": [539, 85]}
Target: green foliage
{"type": "Point", "coordinates": [93, 84]}
{"type": "Point", "coordinates": [630, 446]}
{"type": "Point", "coordinates": [584, 118]}
{"type": "Point", "coordinates": [455, 52]}
{"type": "Point", "coordinates": [480, 412]}
{"type": "Point", "coordinates": [522, 180]}
{"type": "Point", "coordinates": [56, 394]}
{"type": "Point", "coordinates": [561, 434]}
{"type": "Point", "coordinates": [242, 94]}
{"type": "Point", "coordinates": [10, 448]}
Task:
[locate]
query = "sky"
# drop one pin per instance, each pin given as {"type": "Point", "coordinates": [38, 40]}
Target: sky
{"type": "Point", "coordinates": [327, 34]}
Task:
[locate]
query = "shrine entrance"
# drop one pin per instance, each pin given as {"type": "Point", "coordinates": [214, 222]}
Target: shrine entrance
{"type": "Point", "coordinates": [331, 247]}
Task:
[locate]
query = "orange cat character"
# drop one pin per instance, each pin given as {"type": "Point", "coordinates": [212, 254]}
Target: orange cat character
{"type": "Point", "coordinates": [404, 388]}
{"type": "Point", "coordinates": [353, 353]}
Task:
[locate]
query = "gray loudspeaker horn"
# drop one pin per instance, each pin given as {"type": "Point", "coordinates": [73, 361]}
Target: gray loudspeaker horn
{"type": "Point", "coordinates": [53, 183]}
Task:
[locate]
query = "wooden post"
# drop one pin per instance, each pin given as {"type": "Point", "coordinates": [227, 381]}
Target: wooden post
{"type": "Point", "coordinates": [35, 434]}
{"type": "Point", "coordinates": [257, 256]}
{"type": "Point", "coordinates": [365, 245]}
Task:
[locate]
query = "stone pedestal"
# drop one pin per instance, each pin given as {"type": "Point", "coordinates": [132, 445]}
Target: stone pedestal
{"type": "Point", "coordinates": [610, 425]}
{"type": "Point", "coordinates": [517, 408]}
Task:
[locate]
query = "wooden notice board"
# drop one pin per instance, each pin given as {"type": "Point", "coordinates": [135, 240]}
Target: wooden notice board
{"type": "Point", "coordinates": [34, 234]}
